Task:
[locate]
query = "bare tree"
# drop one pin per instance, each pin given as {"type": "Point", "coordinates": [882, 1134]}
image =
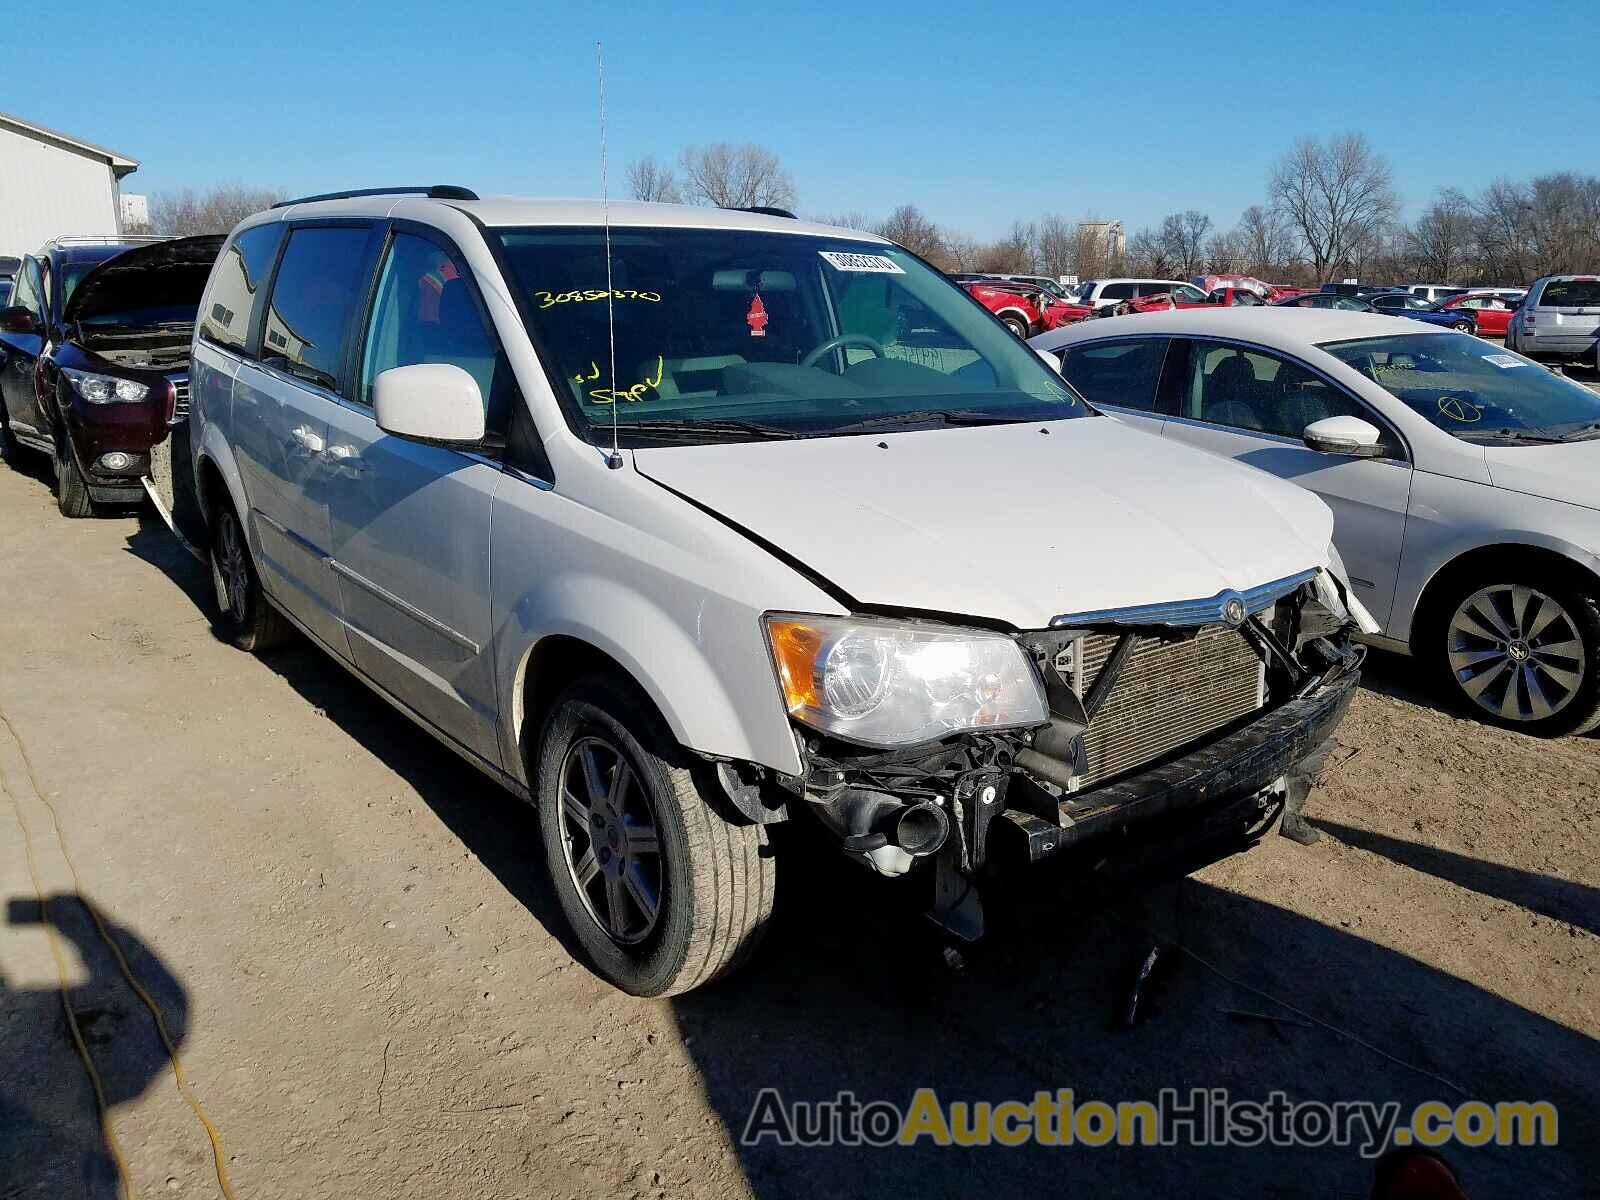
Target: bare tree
{"type": "Point", "coordinates": [1226, 253]}
{"type": "Point", "coordinates": [1183, 239]}
{"type": "Point", "coordinates": [1056, 244]}
{"type": "Point", "coordinates": [186, 212]}
{"type": "Point", "coordinates": [1149, 254]}
{"type": "Point", "coordinates": [1335, 195]}
{"type": "Point", "coordinates": [961, 251]}
{"type": "Point", "coordinates": [649, 180]}
{"type": "Point", "coordinates": [1443, 242]}
{"type": "Point", "coordinates": [1012, 254]}
{"type": "Point", "coordinates": [910, 228]}
{"type": "Point", "coordinates": [1265, 241]}
{"type": "Point", "coordinates": [744, 176]}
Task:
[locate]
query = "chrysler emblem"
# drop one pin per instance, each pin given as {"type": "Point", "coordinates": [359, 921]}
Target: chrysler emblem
{"type": "Point", "coordinates": [1233, 610]}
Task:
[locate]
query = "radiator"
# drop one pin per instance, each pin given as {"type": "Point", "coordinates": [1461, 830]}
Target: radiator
{"type": "Point", "coordinates": [1168, 695]}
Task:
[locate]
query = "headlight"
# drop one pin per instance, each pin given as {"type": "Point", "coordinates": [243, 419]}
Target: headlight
{"type": "Point", "coordinates": [105, 389]}
{"type": "Point", "coordinates": [885, 683]}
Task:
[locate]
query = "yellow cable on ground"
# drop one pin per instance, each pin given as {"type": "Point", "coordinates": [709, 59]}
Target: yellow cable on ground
{"type": "Point", "coordinates": [66, 1001]}
{"type": "Point", "coordinates": [218, 1154]}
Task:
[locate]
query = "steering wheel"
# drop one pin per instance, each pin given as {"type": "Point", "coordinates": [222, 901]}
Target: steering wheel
{"type": "Point", "coordinates": [844, 339]}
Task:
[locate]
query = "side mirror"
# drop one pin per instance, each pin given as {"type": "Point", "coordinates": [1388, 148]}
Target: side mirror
{"type": "Point", "coordinates": [430, 402]}
{"type": "Point", "coordinates": [1053, 361]}
{"type": "Point", "coordinates": [1349, 436]}
{"type": "Point", "coordinates": [18, 319]}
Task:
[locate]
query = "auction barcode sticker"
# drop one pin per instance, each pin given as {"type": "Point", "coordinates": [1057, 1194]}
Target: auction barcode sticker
{"type": "Point", "coordinates": [1503, 360]}
{"type": "Point", "coordinates": [841, 261]}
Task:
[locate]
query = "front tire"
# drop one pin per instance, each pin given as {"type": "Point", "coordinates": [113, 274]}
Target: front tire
{"type": "Point", "coordinates": [72, 490]}
{"type": "Point", "coordinates": [245, 617]}
{"type": "Point", "coordinates": [1016, 325]}
{"type": "Point", "coordinates": [1522, 650]}
{"type": "Point", "coordinates": [1464, 327]}
{"type": "Point", "coordinates": [663, 894]}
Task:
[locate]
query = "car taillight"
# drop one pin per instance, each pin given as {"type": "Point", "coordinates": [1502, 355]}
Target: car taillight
{"type": "Point", "coordinates": [1527, 319]}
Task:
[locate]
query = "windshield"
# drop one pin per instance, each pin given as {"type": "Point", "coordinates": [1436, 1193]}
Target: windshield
{"type": "Point", "coordinates": [1471, 390]}
{"type": "Point", "coordinates": [726, 335]}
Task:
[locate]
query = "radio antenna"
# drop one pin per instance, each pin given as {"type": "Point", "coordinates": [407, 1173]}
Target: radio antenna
{"type": "Point", "coordinates": [614, 459]}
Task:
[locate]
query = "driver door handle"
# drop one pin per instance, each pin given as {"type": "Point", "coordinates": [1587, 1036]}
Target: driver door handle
{"type": "Point", "coordinates": [308, 437]}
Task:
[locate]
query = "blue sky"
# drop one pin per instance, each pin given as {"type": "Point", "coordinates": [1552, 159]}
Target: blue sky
{"type": "Point", "coordinates": [1127, 111]}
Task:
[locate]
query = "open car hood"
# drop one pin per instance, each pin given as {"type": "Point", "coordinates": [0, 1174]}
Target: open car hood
{"type": "Point", "coordinates": [163, 274]}
{"type": "Point", "coordinates": [1013, 523]}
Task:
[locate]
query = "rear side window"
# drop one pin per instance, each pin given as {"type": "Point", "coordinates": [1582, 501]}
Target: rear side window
{"type": "Point", "coordinates": [236, 280]}
{"type": "Point", "coordinates": [1121, 374]}
{"type": "Point", "coordinates": [1571, 293]}
{"type": "Point", "coordinates": [320, 284]}
{"type": "Point", "coordinates": [1116, 291]}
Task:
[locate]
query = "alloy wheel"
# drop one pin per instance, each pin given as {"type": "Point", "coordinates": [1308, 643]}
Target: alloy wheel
{"type": "Point", "coordinates": [611, 840]}
{"type": "Point", "coordinates": [232, 572]}
{"type": "Point", "coordinates": [1516, 652]}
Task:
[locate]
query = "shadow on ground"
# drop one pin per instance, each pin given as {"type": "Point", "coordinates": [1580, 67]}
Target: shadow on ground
{"type": "Point", "coordinates": [51, 1140]}
{"type": "Point", "coordinates": [853, 993]}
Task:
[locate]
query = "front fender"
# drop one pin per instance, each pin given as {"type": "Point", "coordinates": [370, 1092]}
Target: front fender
{"type": "Point", "coordinates": [707, 668]}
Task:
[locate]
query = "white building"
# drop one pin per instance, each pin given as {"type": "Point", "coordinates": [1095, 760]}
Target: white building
{"type": "Point", "coordinates": [1109, 235]}
{"type": "Point", "coordinates": [52, 184]}
{"type": "Point", "coordinates": [135, 211]}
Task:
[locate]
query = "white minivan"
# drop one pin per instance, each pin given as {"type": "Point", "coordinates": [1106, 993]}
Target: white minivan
{"type": "Point", "coordinates": [680, 522]}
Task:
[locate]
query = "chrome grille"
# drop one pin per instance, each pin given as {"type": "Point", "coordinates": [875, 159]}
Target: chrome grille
{"type": "Point", "coordinates": [1169, 694]}
{"type": "Point", "coordinates": [180, 406]}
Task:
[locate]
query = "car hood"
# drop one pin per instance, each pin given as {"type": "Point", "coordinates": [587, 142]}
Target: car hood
{"type": "Point", "coordinates": [1568, 471]}
{"type": "Point", "coordinates": [163, 274]}
{"type": "Point", "coordinates": [1014, 523]}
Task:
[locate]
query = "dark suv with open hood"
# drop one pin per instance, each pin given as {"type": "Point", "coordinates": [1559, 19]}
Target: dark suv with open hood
{"type": "Point", "coordinates": [94, 359]}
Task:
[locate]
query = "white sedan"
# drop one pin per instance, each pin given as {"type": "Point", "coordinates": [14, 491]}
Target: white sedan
{"type": "Point", "coordinates": [1464, 479]}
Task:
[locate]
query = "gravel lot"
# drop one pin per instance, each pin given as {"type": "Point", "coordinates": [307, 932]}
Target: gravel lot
{"type": "Point", "coordinates": [363, 972]}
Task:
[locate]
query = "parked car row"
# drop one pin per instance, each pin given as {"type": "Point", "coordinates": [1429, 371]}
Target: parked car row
{"type": "Point", "coordinates": [745, 520]}
{"type": "Point", "coordinates": [1464, 482]}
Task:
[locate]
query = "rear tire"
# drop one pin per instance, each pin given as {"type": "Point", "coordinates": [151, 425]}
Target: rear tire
{"type": "Point", "coordinates": [1464, 327]}
{"type": "Point", "coordinates": [662, 893]}
{"type": "Point", "coordinates": [72, 490]}
{"type": "Point", "coordinates": [1518, 646]}
{"type": "Point", "coordinates": [245, 615]}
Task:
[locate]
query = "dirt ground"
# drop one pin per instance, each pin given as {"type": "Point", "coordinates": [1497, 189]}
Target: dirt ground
{"type": "Point", "coordinates": [364, 974]}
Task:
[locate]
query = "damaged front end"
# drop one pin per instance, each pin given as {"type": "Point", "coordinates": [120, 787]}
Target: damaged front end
{"type": "Point", "coordinates": [1155, 730]}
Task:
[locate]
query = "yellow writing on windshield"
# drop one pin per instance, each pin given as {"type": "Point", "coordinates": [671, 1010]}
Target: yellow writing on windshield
{"type": "Point", "coordinates": [551, 299]}
{"type": "Point", "coordinates": [632, 394]}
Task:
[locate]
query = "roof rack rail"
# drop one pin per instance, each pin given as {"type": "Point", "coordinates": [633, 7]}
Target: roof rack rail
{"type": "Point", "coordinates": [766, 210]}
{"type": "Point", "coordinates": [105, 239]}
{"type": "Point", "coordinates": [439, 191]}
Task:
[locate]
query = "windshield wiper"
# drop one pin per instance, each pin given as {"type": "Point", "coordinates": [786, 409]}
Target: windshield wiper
{"type": "Point", "coordinates": [920, 416]}
{"type": "Point", "coordinates": [709, 425]}
{"type": "Point", "coordinates": [1521, 436]}
{"type": "Point", "coordinates": [1583, 433]}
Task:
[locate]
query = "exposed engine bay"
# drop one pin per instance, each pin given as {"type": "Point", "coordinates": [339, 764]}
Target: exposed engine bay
{"type": "Point", "coordinates": [1164, 728]}
{"type": "Point", "coordinates": [165, 349]}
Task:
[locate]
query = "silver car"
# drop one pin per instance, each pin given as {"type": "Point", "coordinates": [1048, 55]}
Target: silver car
{"type": "Point", "coordinates": [1464, 480]}
{"type": "Point", "coordinates": [682, 522]}
{"type": "Point", "coordinates": [1559, 321]}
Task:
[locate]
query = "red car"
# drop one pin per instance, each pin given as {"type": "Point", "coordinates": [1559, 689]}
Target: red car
{"type": "Point", "coordinates": [1491, 313]}
{"type": "Point", "coordinates": [1025, 310]}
